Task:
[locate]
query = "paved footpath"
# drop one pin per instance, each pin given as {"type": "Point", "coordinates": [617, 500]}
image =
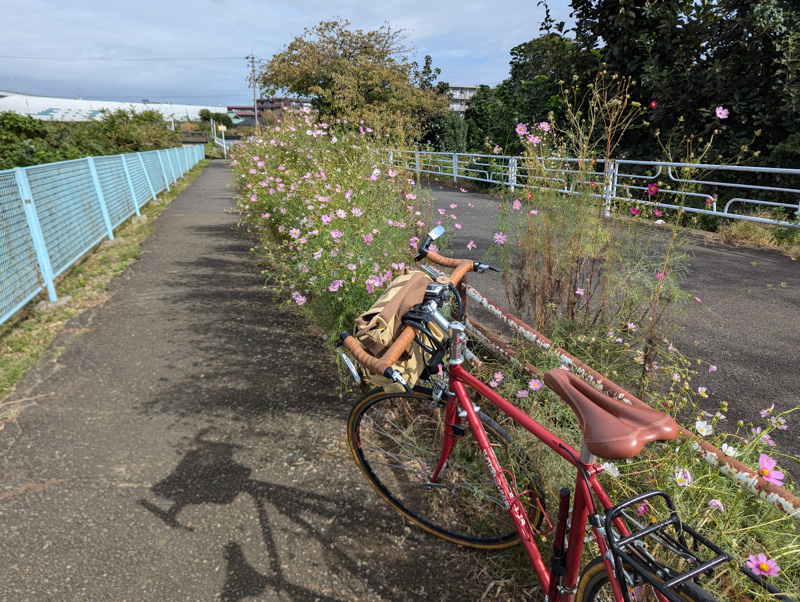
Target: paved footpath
{"type": "Point", "coordinates": [185, 441]}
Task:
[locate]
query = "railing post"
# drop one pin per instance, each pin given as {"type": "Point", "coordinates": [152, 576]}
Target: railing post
{"type": "Point", "coordinates": [100, 197]}
{"type": "Point", "coordinates": [417, 169]}
{"type": "Point", "coordinates": [512, 173]}
{"type": "Point", "coordinates": [391, 157]}
{"type": "Point", "coordinates": [163, 171]}
{"type": "Point", "coordinates": [147, 176]}
{"type": "Point", "coordinates": [171, 166]}
{"type": "Point", "coordinates": [130, 185]}
{"type": "Point", "coordinates": [42, 256]}
{"type": "Point", "coordinates": [609, 184]}
{"type": "Point", "coordinates": [455, 167]}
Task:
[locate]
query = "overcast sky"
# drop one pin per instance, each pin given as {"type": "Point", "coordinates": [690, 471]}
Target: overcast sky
{"type": "Point", "coordinates": [193, 52]}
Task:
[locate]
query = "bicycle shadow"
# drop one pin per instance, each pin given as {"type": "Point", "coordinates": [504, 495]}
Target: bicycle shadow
{"type": "Point", "coordinates": [209, 474]}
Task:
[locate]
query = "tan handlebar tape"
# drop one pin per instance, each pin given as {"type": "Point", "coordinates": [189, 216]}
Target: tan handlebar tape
{"type": "Point", "coordinates": [379, 365]}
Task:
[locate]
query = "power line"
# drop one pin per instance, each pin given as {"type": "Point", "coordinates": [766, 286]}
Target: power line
{"type": "Point", "coordinates": [109, 58]}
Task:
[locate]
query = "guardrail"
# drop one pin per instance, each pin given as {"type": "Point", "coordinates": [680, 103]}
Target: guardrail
{"type": "Point", "coordinates": [53, 214]}
{"type": "Point", "coordinates": [619, 179]}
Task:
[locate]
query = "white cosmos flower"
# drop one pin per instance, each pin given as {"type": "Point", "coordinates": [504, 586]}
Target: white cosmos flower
{"type": "Point", "coordinates": [729, 450]}
{"type": "Point", "coordinates": [610, 468]}
{"type": "Point", "coordinates": [703, 428]}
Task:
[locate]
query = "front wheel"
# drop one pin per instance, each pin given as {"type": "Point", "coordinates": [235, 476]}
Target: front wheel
{"type": "Point", "coordinates": [594, 586]}
{"type": "Point", "coordinates": [396, 439]}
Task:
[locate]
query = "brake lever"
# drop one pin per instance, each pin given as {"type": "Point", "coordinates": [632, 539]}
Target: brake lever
{"type": "Point", "coordinates": [480, 268]}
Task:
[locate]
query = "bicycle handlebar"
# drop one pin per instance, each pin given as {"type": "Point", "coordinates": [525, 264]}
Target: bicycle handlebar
{"type": "Point", "coordinates": [384, 364]}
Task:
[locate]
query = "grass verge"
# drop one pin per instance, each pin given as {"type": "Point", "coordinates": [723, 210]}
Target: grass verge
{"type": "Point", "coordinates": [27, 335]}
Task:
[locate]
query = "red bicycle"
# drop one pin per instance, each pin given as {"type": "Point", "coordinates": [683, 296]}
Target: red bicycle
{"type": "Point", "coordinates": [444, 463]}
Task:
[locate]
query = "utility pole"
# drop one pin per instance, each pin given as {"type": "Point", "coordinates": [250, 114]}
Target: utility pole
{"type": "Point", "coordinates": [251, 57]}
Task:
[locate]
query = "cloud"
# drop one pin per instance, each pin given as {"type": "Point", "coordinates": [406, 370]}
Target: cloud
{"type": "Point", "coordinates": [469, 42]}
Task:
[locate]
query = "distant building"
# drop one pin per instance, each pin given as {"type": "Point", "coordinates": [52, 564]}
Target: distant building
{"type": "Point", "coordinates": [459, 97]}
{"type": "Point", "coordinates": [243, 112]}
{"type": "Point", "coordinates": [77, 109]}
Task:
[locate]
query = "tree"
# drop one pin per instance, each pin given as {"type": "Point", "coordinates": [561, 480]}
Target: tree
{"type": "Point", "coordinates": [691, 57]}
{"type": "Point", "coordinates": [219, 118]}
{"type": "Point", "coordinates": [352, 76]}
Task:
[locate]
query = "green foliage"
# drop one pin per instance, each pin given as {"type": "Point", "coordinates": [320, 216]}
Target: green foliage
{"type": "Point", "coordinates": [219, 118]}
{"type": "Point", "coordinates": [353, 75]}
{"type": "Point", "coordinates": [447, 133]}
{"type": "Point", "coordinates": [28, 141]}
{"type": "Point", "coordinates": [688, 57]}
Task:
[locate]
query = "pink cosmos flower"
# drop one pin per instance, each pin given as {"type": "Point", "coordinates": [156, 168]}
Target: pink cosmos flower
{"type": "Point", "coordinates": [661, 275]}
{"type": "Point", "coordinates": [336, 233]}
{"type": "Point", "coordinates": [516, 205]}
{"type": "Point", "coordinates": [634, 210]}
{"type": "Point", "coordinates": [580, 291]}
{"type": "Point", "coordinates": [356, 211]}
{"type": "Point", "coordinates": [463, 189]}
{"type": "Point", "coordinates": [761, 565]}
{"type": "Point", "coordinates": [413, 242]}
{"type": "Point", "coordinates": [653, 104]}
{"type": "Point", "coordinates": [453, 205]}
{"type": "Point", "coordinates": [722, 113]}
{"type": "Point", "coordinates": [496, 150]}
{"type": "Point", "coordinates": [716, 504]}
{"type": "Point", "coordinates": [368, 238]}
{"type": "Point", "coordinates": [471, 245]}
{"type": "Point", "coordinates": [652, 189]}
{"type": "Point", "coordinates": [712, 368]}
{"type": "Point", "coordinates": [544, 126]}
{"type": "Point", "coordinates": [498, 376]}
{"type": "Point", "coordinates": [535, 384]}
{"type": "Point", "coordinates": [522, 129]}
{"type": "Point", "coordinates": [334, 286]}
{"type": "Point", "coordinates": [392, 173]}
{"type": "Point", "coordinates": [631, 326]}
{"type": "Point", "coordinates": [657, 213]}
{"type": "Point", "coordinates": [642, 508]}
{"type": "Point", "coordinates": [766, 468]}
{"type": "Point", "coordinates": [411, 196]}
{"type": "Point", "coordinates": [500, 238]}
{"type": "Point", "coordinates": [522, 393]}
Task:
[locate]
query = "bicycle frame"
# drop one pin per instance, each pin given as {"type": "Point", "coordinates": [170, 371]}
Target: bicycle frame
{"type": "Point", "coordinates": [584, 487]}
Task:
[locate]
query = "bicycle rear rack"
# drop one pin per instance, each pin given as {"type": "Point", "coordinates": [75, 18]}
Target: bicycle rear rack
{"type": "Point", "coordinates": [670, 533]}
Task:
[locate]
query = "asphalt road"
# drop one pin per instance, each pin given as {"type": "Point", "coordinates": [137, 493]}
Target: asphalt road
{"type": "Point", "coordinates": [747, 323]}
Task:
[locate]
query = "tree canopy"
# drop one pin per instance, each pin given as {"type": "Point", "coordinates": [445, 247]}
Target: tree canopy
{"type": "Point", "coordinates": [354, 75]}
{"type": "Point", "coordinates": [687, 58]}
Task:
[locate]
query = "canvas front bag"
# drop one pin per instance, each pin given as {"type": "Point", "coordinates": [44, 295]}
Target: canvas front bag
{"type": "Point", "coordinates": [378, 327]}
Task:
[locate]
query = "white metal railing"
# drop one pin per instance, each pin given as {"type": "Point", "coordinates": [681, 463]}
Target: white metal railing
{"type": "Point", "coordinates": [619, 179]}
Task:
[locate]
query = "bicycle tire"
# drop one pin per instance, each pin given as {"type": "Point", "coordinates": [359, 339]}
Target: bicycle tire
{"type": "Point", "coordinates": [396, 439]}
{"type": "Point", "coordinates": [594, 586]}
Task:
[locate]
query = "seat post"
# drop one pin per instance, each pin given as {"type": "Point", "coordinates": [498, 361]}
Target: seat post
{"type": "Point", "coordinates": [587, 457]}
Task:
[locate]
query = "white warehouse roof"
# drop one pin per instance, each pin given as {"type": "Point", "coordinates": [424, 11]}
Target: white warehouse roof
{"type": "Point", "coordinates": [68, 109]}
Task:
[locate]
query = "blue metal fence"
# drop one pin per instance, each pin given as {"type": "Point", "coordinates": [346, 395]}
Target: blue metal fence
{"type": "Point", "coordinates": [51, 215]}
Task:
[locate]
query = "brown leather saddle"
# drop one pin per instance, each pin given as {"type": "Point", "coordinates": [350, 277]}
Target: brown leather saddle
{"type": "Point", "coordinates": [611, 428]}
